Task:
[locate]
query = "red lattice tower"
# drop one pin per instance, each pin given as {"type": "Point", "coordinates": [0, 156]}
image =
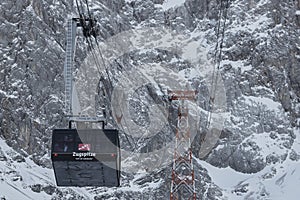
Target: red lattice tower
{"type": "Point", "coordinates": [183, 177]}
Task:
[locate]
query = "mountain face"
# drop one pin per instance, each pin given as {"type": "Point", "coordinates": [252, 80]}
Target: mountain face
{"type": "Point", "coordinates": [150, 46]}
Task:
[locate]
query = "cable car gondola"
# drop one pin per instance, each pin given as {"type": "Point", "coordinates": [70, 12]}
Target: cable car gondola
{"type": "Point", "coordinates": [88, 157]}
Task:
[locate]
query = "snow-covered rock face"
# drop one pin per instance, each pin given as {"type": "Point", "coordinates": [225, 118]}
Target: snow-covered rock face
{"type": "Point", "coordinates": [31, 49]}
{"type": "Point", "coordinates": [259, 68]}
{"type": "Point", "coordinates": [260, 91]}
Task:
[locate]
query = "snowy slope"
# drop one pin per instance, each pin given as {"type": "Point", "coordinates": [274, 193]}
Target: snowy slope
{"type": "Point", "coordinates": [275, 182]}
{"type": "Point", "coordinates": [18, 175]}
{"type": "Point", "coordinates": [23, 179]}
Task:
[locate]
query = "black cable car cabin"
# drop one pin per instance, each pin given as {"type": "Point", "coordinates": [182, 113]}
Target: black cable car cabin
{"type": "Point", "coordinates": [88, 157]}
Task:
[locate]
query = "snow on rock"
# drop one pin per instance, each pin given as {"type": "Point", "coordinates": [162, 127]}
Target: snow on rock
{"type": "Point", "coordinates": [258, 145]}
{"type": "Point", "coordinates": [276, 181]}
{"type": "Point", "coordinates": [168, 4]}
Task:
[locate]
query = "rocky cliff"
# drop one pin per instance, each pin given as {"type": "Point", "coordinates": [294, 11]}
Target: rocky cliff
{"type": "Point", "coordinates": [259, 71]}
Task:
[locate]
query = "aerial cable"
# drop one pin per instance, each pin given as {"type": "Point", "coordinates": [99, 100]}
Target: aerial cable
{"type": "Point", "coordinates": [211, 99]}
{"type": "Point", "coordinates": [103, 61]}
{"type": "Point", "coordinates": [88, 9]}
{"type": "Point", "coordinates": [80, 14]}
{"type": "Point", "coordinates": [109, 97]}
{"type": "Point", "coordinates": [77, 5]}
{"type": "Point", "coordinates": [81, 18]}
{"type": "Point", "coordinates": [91, 21]}
{"type": "Point", "coordinates": [223, 33]}
{"type": "Point", "coordinates": [94, 57]}
{"type": "Point", "coordinates": [88, 40]}
{"type": "Point", "coordinates": [218, 29]}
{"type": "Point", "coordinates": [217, 57]}
{"type": "Point", "coordinates": [87, 33]}
{"type": "Point", "coordinates": [92, 26]}
{"type": "Point", "coordinates": [83, 24]}
{"type": "Point", "coordinates": [217, 44]}
{"type": "Point", "coordinates": [96, 60]}
{"type": "Point", "coordinates": [90, 15]}
{"type": "Point", "coordinates": [81, 7]}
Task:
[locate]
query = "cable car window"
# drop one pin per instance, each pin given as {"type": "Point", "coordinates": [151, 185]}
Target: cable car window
{"type": "Point", "coordinates": [63, 142]}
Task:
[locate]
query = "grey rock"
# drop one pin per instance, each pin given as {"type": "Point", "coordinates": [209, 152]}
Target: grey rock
{"type": "Point", "coordinates": [2, 156]}
{"type": "Point", "coordinates": [241, 188]}
{"type": "Point", "coordinates": [272, 159]}
{"type": "Point", "coordinates": [36, 188]}
{"type": "Point", "coordinates": [49, 189]}
{"type": "Point", "coordinates": [19, 158]}
{"type": "Point", "coordinates": [294, 155]}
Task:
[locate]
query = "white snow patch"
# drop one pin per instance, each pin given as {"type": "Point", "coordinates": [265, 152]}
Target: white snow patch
{"type": "Point", "coordinates": [190, 51]}
{"type": "Point", "coordinates": [8, 95]}
{"type": "Point", "coordinates": [172, 4]}
{"type": "Point", "coordinates": [16, 83]}
{"type": "Point", "coordinates": [129, 1]}
{"type": "Point", "coordinates": [251, 25]}
{"type": "Point", "coordinates": [267, 145]}
{"type": "Point", "coordinates": [259, 88]}
{"type": "Point", "coordinates": [268, 103]}
{"type": "Point", "coordinates": [236, 65]}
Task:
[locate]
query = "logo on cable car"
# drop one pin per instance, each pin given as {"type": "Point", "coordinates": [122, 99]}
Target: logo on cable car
{"type": "Point", "coordinates": [84, 147]}
{"type": "Point", "coordinates": [86, 154]}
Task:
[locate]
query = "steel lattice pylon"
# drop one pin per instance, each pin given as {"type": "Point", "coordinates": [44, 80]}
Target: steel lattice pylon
{"type": "Point", "coordinates": [183, 177]}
